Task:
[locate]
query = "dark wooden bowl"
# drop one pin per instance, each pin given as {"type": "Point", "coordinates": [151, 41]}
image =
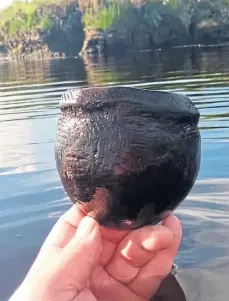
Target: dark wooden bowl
{"type": "Point", "coordinates": [128, 156]}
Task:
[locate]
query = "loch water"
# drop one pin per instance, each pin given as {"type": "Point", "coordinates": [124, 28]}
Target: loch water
{"type": "Point", "coordinates": [32, 197]}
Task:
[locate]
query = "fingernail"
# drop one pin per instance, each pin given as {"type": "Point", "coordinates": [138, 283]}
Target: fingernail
{"type": "Point", "coordinates": [85, 227]}
{"type": "Point", "coordinates": [149, 243]}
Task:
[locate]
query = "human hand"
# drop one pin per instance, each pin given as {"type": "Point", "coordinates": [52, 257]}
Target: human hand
{"type": "Point", "coordinates": [82, 261]}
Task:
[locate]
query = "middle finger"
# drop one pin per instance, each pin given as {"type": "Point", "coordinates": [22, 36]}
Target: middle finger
{"type": "Point", "coordinates": [136, 249]}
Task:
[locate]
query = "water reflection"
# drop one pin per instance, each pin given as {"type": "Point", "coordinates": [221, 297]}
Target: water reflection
{"type": "Point", "coordinates": [32, 197]}
{"type": "Point", "coordinates": [25, 71]}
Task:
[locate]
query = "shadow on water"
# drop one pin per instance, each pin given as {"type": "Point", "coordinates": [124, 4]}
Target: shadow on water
{"type": "Point", "coordinates": [32, 197]}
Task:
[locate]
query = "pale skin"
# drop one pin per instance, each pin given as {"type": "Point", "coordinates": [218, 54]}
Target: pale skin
{"type": "Point", "coordinates": [82, 261]}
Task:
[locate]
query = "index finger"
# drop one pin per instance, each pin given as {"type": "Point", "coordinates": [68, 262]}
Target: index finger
{"type": "Point", "coordinates": [64, 229]}
{"type": "Point", "coordinates": [60, 236]}
{"type": "Point", "coordinates": [136, 249]}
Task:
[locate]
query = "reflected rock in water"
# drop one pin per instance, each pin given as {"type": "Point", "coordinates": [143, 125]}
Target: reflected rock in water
{"type": "Point", "coordinates": [68, 69]}
{"type": "Point", "coordinates": [30, 70]}
{"type": "Point", "coordinates": [151, 65]}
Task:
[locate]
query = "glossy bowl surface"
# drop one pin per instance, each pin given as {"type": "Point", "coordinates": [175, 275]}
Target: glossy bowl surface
{"type": "Point", "coordinates": [128, 156]}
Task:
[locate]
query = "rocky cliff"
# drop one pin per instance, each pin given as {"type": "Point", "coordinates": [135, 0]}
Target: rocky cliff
{"type": "Point", "coordinates": [63, 34]}
{"type": "Point", "coordinates": [66, 28]}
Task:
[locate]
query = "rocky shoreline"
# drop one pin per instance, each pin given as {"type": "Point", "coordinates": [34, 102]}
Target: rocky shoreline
{"type": "Point", "coordinates": [68, 36]}
{"type": "Point", "coordinates": [99, 45]}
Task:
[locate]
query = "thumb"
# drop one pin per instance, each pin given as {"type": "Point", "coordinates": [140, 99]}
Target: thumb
{"type": "Point", "coordinates": [82, 253]}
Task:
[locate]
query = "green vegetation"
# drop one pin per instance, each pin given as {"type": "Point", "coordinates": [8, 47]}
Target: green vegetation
{"type": "Point", "coordinates": [126, 13]}
{"type": "Point", "coordinates": [25, 27]}
{"type": "Point", "coordinates": [104, 18]}
{"type": "Point", "coordinates": [22, 17]}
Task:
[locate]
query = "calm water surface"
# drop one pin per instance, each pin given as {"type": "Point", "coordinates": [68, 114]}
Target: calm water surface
{"type": "Point", "coordinates": [31, 195]}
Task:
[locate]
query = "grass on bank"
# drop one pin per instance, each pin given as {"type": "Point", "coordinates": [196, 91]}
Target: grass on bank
{"type": "Point", "coordinates": [104, 17]}
{"type": "Point", "coordinates": [23, 16]}
{"type": "Point", "coordinates": [125, 13]}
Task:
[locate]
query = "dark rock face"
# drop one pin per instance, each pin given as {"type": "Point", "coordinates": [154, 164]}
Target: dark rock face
{"type": "Point", "coordinates": [127, 156]}
{"type": "Point", "coordinates": [141, 35]}
{"type": "Point", "coordinates": [67, 35]}
{"type": "Point", "coordinates": [140, 25]}
{"type": "Point", "coordinates": [95, 42]}
{"type": "Point", "coordinates": [64, 38]}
